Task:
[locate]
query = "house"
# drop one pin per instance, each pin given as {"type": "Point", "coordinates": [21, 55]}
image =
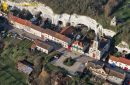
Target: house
{"type": "Point", "coordinates": [57, 37]}
{"type": "Point", "coordinates": [38, 31]}
{"type": "Point", "coordinates": [25, 66]}
{"type": "Point", "coordinates": [113, 21]}
{"type": "Point", "coordinates": [97, 69]}
{"type": "Point", "coordinates": [77, 46]}
{"type": "Point", "coordinates": [121, 62]}
{"type": "Point", "coordinates": [101, 70]}
{"type": "Point", "coordinates": [67, 30]}
{"type": "Point", "coordinates": [116, 77]}
{"type": "Point", "coordinates": [99, 48]}
{"type": "Point", "coordinates": [123, 46]}
{"type": "Point", "coordinates": [62, 38]}
{"type": "Point", "coordinates": [41, 46]}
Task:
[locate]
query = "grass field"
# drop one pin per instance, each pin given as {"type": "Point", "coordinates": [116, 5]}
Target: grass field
{"type": "Point", "coordinates": [13, 51]}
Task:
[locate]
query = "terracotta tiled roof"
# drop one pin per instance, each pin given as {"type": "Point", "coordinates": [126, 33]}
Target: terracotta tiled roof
{"type": "Point", "coordinates": [117, 74]}
{"type": "Point", "coordinates": [78, 43]}
{"type": "Point", "coordinates": [108, 70]}
{"type": "Point", "coordinates": [19, 20]}
{"type": "Point", "coordinates": [120, 59]}
{"type": "Point", "coordinates": [47, 31]}
{"type": "Point", "coordinates": [42, 44]}
{"type": "Point", "coordinates": [58, 35]}
{"type": "Point", "coordinates": [37, 28]}
{"type": "Point", "coordinates": [67, 30]}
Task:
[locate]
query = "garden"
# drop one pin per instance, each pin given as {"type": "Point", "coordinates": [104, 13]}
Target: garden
{"type": "Point", "coordinates": [14, 50]}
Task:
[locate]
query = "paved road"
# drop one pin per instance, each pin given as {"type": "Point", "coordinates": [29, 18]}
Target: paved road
{"type": "Point", "coordinates": [24, 33]}
{"type": "Point", "coordinates": [54, 44]}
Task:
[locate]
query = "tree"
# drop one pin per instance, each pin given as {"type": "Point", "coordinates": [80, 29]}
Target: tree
{"type": "Point", "coordinates": [84, 30]}
{"type": "Point", "coordinates": [15, 11]}
{"type": "Point", "coordinates": [88, 7]}
{"type": "Point", "coordinates": [91, 34]}
{"type": "Point", "coordinates": [25, 14]}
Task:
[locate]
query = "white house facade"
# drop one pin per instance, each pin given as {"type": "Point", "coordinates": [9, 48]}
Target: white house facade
{"type": "Point", "coordinates": [120, 62]}
{"type": "Point", "coordinates": [40, 32]}
{"type": "Point", "coordinates": [93, 51]}
{"type": "Point", "coordinates": [24, 68]}
{"type": "Point", "coordinates": [77, 46]}
{"type": "Point", "coordinates": [42, 49]}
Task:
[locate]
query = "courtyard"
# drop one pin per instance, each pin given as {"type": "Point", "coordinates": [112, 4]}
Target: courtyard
{"type": "Point", "coordinates": [78, 66]}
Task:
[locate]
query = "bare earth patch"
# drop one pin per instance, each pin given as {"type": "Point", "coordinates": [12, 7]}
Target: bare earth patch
{"type": "Point", "coordinates": [44, 78]}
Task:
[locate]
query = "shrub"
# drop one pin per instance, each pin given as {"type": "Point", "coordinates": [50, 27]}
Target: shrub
{"type": "Point", "coordinates": [69, 61]}
{"type": "Point", "coordinates": [117, 54]}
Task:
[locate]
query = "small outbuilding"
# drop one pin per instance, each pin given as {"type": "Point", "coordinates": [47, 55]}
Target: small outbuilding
{"type": "Point", "coordinates": [42, 46]}
{"type": "Point", "coordinates": [25, 66]}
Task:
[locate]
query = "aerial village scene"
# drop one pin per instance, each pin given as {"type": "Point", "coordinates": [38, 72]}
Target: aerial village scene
{"type": "Point", "coordinates": [41, 47]}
